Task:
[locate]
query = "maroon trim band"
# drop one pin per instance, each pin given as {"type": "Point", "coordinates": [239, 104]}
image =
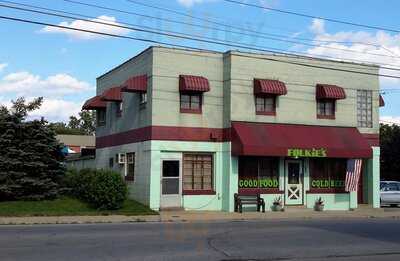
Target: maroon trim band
{"type": "Point", "coordinates": [164, 133]}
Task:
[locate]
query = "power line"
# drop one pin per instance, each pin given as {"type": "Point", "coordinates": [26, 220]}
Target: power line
{"type": "Point", "coordinates": [190, 37]}
{"type": "Point", "coordinates": [193, 48]}
{"type": "Point", "coordinates": [257, 34]}
{"type": "Point", "coordinates": [313, 16]}
{"type": "Point", "coordinates": [280, 38]}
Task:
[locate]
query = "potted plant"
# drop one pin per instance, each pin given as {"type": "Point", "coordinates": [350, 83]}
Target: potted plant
{"type": "Point", "coordinates": [319, 204]}
{"type": "Point", "coordinates": [277, 204]}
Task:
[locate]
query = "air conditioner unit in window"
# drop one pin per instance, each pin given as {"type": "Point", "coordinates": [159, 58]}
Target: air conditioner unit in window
{"type": "Point", "coordinates": [121, 158]}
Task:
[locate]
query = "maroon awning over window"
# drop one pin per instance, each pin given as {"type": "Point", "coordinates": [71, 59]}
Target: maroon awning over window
{"type": "Point", "coordinates": [190, 83]}
{"type": "Point", "coordinates": [381, 101]}
{"type": "Point", "coordinates": [327, 91]}
{"type": "Point", "coordinates": [94, 103]}
{"type": "Point", "coordinates": [113, 94]}
{"type": "Point", "coordinates": [268, 139]}
{"type": "Point", "coordinates": [275, 87]}
{"type": "Point", "coordinates": [135, 84]}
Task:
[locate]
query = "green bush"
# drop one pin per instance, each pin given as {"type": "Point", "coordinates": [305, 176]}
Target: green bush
{"type": "Point", "coordinates": [103, 189]}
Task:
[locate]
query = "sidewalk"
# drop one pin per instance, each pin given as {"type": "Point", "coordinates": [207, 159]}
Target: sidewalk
{"type": "Point", "coordinates": [206, 216]}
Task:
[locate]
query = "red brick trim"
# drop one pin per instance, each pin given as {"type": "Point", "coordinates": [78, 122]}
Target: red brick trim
{"type": "Point", "coordinates": [164, 133]}
{"type": "Point", "coordinates": [253, 191]}
{"type": "Point", "coordinates": [197, 111]}
{"type": "Point", "coordinates": [326, 117]}
{"type": "Point", "coordinates": [266, 113]}
{"type": "Point", "coordinates": [326, 191]}
{"type": "Point", "coordinates": [198, 192]}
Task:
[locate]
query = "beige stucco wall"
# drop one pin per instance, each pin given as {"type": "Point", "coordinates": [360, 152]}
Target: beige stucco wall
{"type": "Point", "coordinates": [299, 105]}
{"type": "Point", "coordinates": [168, 64]}
{"type": "Point", "coordinates": [133, 115]}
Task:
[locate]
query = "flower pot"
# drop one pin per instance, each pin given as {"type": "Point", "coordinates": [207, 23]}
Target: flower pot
{"type": "Point", "coordinates": [277, 207]}
{"type": "Point", "coordinates": [319, 207]}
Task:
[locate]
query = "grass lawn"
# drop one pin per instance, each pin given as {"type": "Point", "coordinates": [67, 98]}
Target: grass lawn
{"type": "Point", "coordinates": [67, 206]}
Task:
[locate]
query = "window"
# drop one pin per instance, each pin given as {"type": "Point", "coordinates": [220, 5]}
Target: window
{"type": "Point", "coordinates": [191, 102]}
{"type": "Point", "coordinates": [101, 117]}
{"type": "Point", "coordinates": [326, 109]}
{"type": "Point", "coordinates": [198, 175]}
{"type": "Point", "coordinates": [258, 173]}
{"type": "Point", "coordinates": [327, 175]}
{"type": "Point", "coordinates": [130, 166]}
{"type": "Point", "coordinates": [364, 108]}
{"type": "Point", "coordinates": [119, 108]}
{"type": "Point", "coordinates": [143, 98]}
{"type": "Point", "coordinates": [265, 105]}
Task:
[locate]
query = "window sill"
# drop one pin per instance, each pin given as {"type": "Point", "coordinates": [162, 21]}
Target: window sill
{"type": "Point", "coordinates": [191, 111]}
{"type": "Point", "coordinates": [198, 192]}
{"type": "Point", "coordinates": [326, 117]}
{"type": "Point", "coordinates": [266, 113]}
{"type": "Point", "coordinates": [252, 191]}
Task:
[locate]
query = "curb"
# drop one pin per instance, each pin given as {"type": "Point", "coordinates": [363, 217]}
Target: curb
{"type": "Point", "coordinates": [182, 218]}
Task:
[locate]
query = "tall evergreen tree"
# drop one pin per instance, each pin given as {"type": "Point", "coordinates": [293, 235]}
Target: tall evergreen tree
{"type": "Point", "coordinates": [30, 156]}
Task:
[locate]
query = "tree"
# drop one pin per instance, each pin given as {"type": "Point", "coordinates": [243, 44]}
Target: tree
{"type": "Point", "coordinates": [390, 151]}
{"type": "Point", "coordinates": [30, 156]}
{"type": "Point", "coordinates": [85, 124]}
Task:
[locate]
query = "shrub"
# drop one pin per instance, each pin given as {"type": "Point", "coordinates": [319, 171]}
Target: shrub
{"type": "Point", "coordinates": [103, 189]}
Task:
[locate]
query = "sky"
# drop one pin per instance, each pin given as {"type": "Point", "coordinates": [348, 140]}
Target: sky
{"type": "Point", "coordinates": [62, 65]}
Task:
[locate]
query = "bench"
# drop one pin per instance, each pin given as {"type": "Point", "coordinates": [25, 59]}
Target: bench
{"type": "Point", "coordinates": [241, 200]}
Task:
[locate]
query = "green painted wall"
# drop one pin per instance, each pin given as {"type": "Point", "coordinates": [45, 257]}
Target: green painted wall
{"type": "Point", "coordinates": [173, 150]}
{"type": "Point", "coordinates": [332, 201]}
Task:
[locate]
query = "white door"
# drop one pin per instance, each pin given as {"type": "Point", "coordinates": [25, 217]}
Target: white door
{"type": "Point", "coordinates": [171, 196]}
{"type": "Point", "coordinates": [294, 182]}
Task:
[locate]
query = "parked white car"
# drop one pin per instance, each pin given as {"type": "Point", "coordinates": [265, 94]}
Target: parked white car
{"type": "Point", "coordinates": [390, 193]}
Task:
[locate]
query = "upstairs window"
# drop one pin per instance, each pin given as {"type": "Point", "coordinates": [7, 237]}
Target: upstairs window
{"type": "Point", "coordinates": [191, 102]}
{"type": "Point", "coordinates": [101, 117]}
{"type": "Point", "coordinates": [364, 108]}
{"type": "Point", "coordinates": [326, 108]}
{"type": "Point", "coordinates": [266, 104]}
{"type": "Point", "coordinates": [143, 98]}
{"type": "Point", "coordinates": [119, 108]}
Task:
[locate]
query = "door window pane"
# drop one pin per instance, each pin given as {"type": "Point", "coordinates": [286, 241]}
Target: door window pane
{"type": "Point", "coordinates": [171, 168]}
{"type": "Point", "coordinates": [170, 186]}
{"type": "Point", "coordinates": [293, 173]}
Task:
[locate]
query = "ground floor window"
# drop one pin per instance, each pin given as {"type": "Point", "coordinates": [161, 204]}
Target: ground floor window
{"type": "Point", "coordinates": [258, 174]}
{"type": "Point", "coordinates": [327, 175]}
{"type": "Point", "coordinates": [198, 177]}
{"type": "Point", "coordinates": [130, 166]}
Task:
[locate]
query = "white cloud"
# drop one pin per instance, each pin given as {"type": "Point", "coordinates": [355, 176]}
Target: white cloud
{"type": "Point", "coordinates": [57, 110]}
{"type": "Point", "coordinates": [80, 24]}
{"type": "Point", "coordinates": [317, 26]}
{"type": "Point", "coordinates": [28, 84]}
{"type": "Point", "coordinates": [374, 48]}
{"type": "Point", "coordinates": [3, 66]}
{"type": "Point", "coordinates": [190, 3]}
{"type": "Point", "coordinates": [390, 120]}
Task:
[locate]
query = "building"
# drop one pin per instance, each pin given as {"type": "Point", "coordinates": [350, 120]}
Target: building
{"type": "Point", "coordinates": [192, 128]}
{"type": "Point", "coordinates": [75, 143]}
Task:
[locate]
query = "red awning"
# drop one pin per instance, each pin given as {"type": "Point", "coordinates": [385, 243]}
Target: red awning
{"type": "Point", "coordinates": [326, 91]}
{"type": "Point", "coordinates": [274, 87]}
{"type": "Point", "coordinates": [113, 94]}
{"type": "Point", "coordinates": [268, 139]}
{"type": "Point", "coordinates": [94, 103]}
{"type": "Point", "coordinates": [135, 84]}
{"type": "Point", "coordinates": [381, 101]}
{"type": "Point", "coordinates": [190, 83]}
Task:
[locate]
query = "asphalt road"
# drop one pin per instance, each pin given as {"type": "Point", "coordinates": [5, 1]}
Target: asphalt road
{"type": "Point", "coordinates": [367, 239]}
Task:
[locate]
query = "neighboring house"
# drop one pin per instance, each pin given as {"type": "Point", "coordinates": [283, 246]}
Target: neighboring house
{"type": "Point", "coordinates": [75, 143]}
{"type": "Point", "coordinates": [192, 128]}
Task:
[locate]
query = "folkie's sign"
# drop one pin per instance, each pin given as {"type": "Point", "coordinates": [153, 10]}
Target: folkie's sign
{"type": "Point", "coordinates": [307, 153]}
